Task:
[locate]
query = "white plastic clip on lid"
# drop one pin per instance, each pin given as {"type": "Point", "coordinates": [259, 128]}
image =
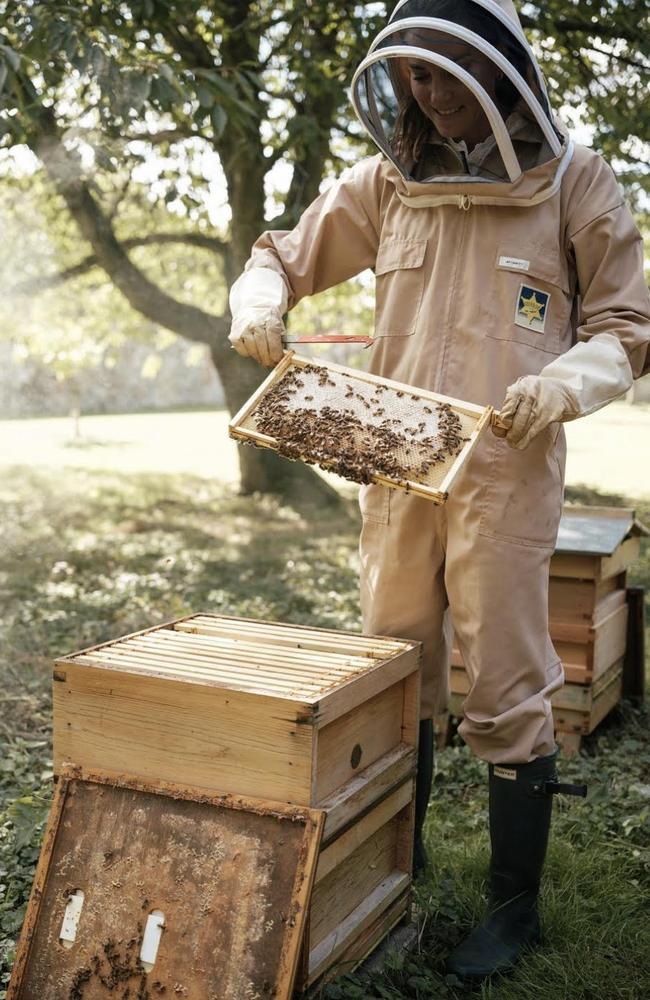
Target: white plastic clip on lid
{"type": "Point", "coordinates": [446, 77]}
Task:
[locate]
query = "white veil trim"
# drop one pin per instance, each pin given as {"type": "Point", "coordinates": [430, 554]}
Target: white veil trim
{"type": "Point", "coordinates": [448, 27]}
{"type": "Point", "coordinates": [499, 129]}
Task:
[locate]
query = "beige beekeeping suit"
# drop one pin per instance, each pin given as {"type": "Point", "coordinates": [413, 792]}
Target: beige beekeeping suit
{"type": "Point", "coordinates": [485, 272]}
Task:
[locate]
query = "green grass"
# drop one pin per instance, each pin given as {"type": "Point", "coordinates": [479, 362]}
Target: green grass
{"type": "Point", "coordinates": [91, 554]}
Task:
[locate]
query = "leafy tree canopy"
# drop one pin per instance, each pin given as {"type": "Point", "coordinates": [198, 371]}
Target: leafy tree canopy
{"type": "Point", "coordinates": [136, 111]}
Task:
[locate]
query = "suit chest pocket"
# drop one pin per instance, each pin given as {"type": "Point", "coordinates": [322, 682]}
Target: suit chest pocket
{"type": "Point", "coordinates": [399, 286]}
{"type": "Point", "coordinates": [529, 300]}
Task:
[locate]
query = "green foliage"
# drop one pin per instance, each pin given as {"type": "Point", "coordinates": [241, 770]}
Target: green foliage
{"type": "Point", "coordinates": [25, 779]}
{"type": "Point", "coordinates": [88, 556]}
{"type": "Point", "coordinates": [153, 99]}
{"type": "Point", "coordinates": [206, 70]}
{"type": "Point", "coordinates": [221, 69]}
{"type": "Point", "coordinates": [82, 322]}
{"type": "Point", "coordinates": [595, 54]}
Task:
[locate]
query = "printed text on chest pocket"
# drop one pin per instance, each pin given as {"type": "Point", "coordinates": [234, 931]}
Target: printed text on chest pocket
{"type": "Point", "coordinates": [399, 287]}
{"type": "Point", "coordinates": [529, 301]}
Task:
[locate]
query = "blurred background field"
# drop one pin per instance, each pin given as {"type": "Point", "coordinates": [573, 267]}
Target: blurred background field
{"type": "Point", "coordinates": [608, 451]}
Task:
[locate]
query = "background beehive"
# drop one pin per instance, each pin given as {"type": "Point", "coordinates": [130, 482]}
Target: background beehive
{"type": "Point", "coordinates": [398, 402]}
{"type": "Point", "coordinates": [288, 713]}
{"type": "Point", "coordinates": [588, 619]}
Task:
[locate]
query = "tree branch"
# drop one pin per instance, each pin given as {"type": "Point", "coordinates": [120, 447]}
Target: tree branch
{"type": "Point", "coordinates": [165, 135]}
{"type": "Point", "coordinates": [141, 293]}
{"type": "Point", "coordinates": [34, 286]}
{"type": "Point", "coordinates": [565, 26]}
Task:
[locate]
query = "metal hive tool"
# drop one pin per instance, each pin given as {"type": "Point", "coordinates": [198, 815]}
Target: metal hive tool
{"type": "Point", "coordinates": [366, 428]}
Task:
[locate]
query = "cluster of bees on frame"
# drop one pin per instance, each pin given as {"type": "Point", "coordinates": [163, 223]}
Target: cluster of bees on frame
{"type": "Point", "coordinates": [337, 439]}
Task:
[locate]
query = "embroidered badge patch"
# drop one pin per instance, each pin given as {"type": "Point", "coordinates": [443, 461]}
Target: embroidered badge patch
{"type": "Point", "coordinates": [532, 307]}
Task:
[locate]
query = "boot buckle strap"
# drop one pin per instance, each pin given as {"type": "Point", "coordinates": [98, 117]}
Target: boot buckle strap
{"type": "Point", "coordinates": [551, 786]}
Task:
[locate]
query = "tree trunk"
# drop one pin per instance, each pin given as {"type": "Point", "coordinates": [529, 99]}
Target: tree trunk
{"type": "Point", "coordinates": [262, 471]}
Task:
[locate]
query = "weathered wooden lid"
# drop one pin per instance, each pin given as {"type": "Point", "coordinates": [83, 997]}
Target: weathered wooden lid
{"type": "Point", "coordinates": [269, 658]}
{"type": "Point", "coordinates": [228, 880]}
{"type": "Point", "coordinates": [597, 531]}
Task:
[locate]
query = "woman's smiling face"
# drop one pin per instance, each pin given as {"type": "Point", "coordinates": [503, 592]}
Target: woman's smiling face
{"type": "Point", "coordinates": [442, 97]}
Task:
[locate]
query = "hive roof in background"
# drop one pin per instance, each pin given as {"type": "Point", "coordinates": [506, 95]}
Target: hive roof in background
{"type": "Point", "coordinates": [597, 531]}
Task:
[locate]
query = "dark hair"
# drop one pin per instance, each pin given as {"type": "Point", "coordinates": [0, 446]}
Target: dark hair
{"type": "Point", "coordinates": [412, 127]}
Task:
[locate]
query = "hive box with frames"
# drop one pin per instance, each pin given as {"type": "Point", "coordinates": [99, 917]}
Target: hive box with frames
{"type": "Point", "coordinates": [366, 428]}
{"type": "Point", "coordinates": [317, 718]}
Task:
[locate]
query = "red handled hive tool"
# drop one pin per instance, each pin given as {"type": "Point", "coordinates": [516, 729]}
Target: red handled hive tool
{"type": "Point", "coordinates": [328, 338]}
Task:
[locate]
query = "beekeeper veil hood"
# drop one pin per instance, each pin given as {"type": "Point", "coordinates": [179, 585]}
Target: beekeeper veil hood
{"type": "Point", "coordinates": [450, 91]}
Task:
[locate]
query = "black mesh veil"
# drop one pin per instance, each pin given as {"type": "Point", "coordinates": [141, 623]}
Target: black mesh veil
{"type": "Point", "coordinates": [451, 88]}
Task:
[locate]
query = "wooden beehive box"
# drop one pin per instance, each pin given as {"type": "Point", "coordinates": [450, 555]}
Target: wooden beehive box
{"type": "Point", "coordinates": [588, 617]}
{"type": "Point", "coordinates": [586, 650]}
{"type": "Point", "coordinates": [288, 713]}
{"type": "Point", "coordinates": [410, 416]}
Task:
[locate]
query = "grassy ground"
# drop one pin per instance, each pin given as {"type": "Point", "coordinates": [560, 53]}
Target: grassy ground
{"type": "Point", "coordinates": [90, 553]}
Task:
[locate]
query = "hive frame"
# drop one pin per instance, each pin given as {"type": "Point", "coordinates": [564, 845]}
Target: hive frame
{"type": "Point", "coordinates": [292, 360]}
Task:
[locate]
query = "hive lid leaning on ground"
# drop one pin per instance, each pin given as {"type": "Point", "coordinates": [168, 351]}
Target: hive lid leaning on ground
{"type": "Point", "coordinates": [597, 531]}
{"type": "Point", "coordinates": [365, 428]}
{"type": "Point", "coordinates": [148, 890]}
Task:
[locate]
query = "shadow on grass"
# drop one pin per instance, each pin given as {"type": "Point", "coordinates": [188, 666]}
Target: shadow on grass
{"type": "Point", "coordinates": [91, 555]}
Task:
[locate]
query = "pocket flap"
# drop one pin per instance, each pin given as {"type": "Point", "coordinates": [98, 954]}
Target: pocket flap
{"type": "Point", "coordinates": [374, 501]}
{"type": "Point", "coordinates": [395, 254]}
{"type": "Point", "coordinates": [530, 263]}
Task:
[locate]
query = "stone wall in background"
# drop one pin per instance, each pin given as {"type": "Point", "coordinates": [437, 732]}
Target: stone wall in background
{"type": "Point", "coordinates": [184, 377]}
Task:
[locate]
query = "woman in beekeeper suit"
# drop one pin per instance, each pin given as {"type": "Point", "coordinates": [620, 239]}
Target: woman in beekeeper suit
{"type": "Point", "coordinates": [509, 272]}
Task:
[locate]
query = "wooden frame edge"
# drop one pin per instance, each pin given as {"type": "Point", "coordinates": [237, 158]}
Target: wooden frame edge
{"type": "Point", "coordinates": [36, 895]}
{"type": "Point", "coordinates": [274, 375]}
{"type": "Point", "coordinates": [71, 657]}
{"type": "Point", "coordinates": [300, 901]}
{"type": "Point", "coordinates": [463, 455]}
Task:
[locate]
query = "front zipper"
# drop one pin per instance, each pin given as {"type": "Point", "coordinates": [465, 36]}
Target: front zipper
{"type": "Point", "coordinates": [446, 328]}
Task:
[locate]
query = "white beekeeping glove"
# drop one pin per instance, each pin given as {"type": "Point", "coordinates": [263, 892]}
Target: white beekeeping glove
{"type": "Point", "coordinates": [258, 301]}
{"type": "Point", "coordinates": [588, 376]}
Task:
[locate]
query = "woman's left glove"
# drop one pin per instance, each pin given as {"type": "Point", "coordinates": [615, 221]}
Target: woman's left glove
{"type": "Point", "coordinates": [588, 376]}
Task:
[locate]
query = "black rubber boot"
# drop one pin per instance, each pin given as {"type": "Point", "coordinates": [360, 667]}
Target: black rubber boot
{"type": "Point", "coordinates": [423, 782]}
{"type": "Point", "coordinates": [521, 801]}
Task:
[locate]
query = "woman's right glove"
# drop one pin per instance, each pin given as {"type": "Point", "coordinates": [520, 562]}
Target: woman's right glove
{"type": "Point", "coordinates": [258, 301]}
